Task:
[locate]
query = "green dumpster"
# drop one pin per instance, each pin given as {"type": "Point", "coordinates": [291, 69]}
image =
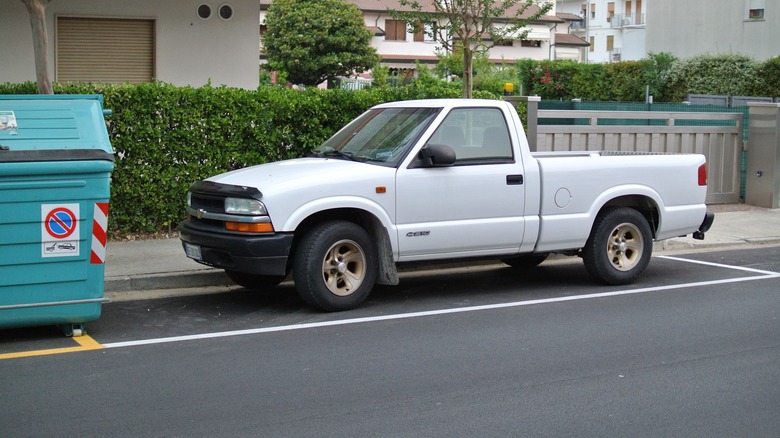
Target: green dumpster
{"type": "Point", "coordinates": [55, 168]}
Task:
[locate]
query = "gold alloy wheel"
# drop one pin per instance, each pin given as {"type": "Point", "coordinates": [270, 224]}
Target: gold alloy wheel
{"type": "Point", "coordinates": [624, 247]}
{"type": "Point", "coordinates": [344, 267]}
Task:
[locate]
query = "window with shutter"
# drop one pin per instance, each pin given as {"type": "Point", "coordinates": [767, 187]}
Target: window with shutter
{"type": "Point", "coordinates": [104, 50]}
{"type": "Point", "coordinates": [395, 30]}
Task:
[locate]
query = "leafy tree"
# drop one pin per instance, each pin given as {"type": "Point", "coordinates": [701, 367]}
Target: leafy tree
{"type": "Point", "coordinates": [657, 66]}
{"type": "Point", "coordinates": [37, 11]}
{"type": "Point", "coordinates": [451, 63]}
{"type": "Point", "coordinates": [465, 22]}
{"type": "Point", "coordinates": [380, 75]}
{"type": "Point", "coordinates": [313, 41]}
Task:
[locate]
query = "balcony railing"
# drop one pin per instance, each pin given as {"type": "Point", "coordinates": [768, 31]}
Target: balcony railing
{"type": "Point", "coordinates": [620, 20]}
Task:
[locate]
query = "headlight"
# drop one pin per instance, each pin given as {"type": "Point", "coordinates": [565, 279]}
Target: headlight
{"type": "Point", "coordinates": [249, 207]}
{"type": "Point", "coordinates": [189, 199]}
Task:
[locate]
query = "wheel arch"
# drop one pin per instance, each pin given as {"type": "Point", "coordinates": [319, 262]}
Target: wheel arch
{"type": "Point", "coordinates": [368, 221]}
{"type": "Point", "coordinates": [645, 205]}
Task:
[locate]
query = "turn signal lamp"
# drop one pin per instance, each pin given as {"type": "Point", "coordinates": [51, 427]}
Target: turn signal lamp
{"type": "Point", "coordinates": [245, 227]}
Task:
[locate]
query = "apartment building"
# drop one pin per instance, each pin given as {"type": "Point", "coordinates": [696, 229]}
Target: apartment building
{"type": "Point", "coordinates": [622, 30]}
{"type": "Point", "coordinates": [615, 29]}
{"type": "Point", "coordinates": [400, 50]}
{"type": "Point", "coordinates": [694, 27]}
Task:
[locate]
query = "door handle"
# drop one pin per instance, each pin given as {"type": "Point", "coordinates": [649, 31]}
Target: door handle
{"type": "Point", "coordinates": [514, 180]}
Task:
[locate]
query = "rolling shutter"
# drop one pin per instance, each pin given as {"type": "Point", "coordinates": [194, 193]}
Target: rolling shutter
{"type": "Point", "coordinates": [104, 50]}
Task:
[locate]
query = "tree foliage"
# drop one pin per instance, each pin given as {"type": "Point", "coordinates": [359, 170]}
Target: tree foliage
{"type": "Point", "coordinates": [314, 41]}
{"type": "Point", "coordinates": [464, 23]}
{"type": "Point", "coordinates": [657, 66]}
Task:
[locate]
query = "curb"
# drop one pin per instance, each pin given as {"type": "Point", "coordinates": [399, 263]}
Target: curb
{"type": "Point", "coordinates": [169, 280]}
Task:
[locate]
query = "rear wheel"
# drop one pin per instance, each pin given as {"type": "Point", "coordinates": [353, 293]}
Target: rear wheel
{"type": "Point", "coordinates": [255, 282]}
{"type": "Point", "coordinates": [619, 247]}
{"type": "Point", "coordinates": [335, 266]}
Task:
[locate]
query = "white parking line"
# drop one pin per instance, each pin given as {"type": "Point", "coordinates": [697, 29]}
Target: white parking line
{"type": "Point", "coordinates": [763, 276]}
{"type": "Point", "coordinates": [719, 265]}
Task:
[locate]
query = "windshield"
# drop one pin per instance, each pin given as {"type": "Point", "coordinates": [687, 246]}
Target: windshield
{"type": "Point", "coordinates": [382, 136]}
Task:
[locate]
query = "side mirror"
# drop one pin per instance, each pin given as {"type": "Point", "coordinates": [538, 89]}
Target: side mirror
{"type": "Point", "coordinates": [436, 155]}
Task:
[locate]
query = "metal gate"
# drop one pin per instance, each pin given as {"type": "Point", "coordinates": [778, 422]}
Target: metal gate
{"type": "Point", "coordinates": [718, 136]}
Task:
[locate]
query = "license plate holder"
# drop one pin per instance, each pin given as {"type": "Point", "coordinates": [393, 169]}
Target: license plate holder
{"type": "Point", "coordinates": [193, 251]}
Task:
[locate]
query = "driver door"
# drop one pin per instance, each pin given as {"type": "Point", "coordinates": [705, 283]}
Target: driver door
{"type": "Point", "coordinates": [472, 208]}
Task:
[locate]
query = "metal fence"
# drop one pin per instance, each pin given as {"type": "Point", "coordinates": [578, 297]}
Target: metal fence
{"type": "Point", "coordinates": [717, 133]}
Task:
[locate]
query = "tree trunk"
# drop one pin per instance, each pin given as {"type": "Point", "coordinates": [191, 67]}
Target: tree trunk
{"type": "Point", "coordinates": [37, 11]}
{"type": "Point", "coordinates": [468, 64]}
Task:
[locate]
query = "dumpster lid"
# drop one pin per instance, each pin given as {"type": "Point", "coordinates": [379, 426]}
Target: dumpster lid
{"type": "Point", "coordinates": [59, 127]}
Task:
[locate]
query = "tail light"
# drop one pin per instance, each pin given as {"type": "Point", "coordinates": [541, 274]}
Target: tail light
{"type": "Point", "coordinates": [703, 175]}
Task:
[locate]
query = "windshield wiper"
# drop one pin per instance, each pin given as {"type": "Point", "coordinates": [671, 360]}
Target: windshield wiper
{"type": "Point", "coordinates": [337, 154]}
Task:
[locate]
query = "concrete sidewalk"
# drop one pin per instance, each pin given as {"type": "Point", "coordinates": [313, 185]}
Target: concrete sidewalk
{"type": "Point", "coordinates": [161, 264]}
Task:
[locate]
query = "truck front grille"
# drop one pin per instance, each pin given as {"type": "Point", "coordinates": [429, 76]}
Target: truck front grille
{"type": "Point", "coordinates": [210, 203]}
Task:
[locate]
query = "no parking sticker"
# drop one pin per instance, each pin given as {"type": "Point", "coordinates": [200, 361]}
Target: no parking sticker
{"type": "Point", "coordinates": [59, 230]}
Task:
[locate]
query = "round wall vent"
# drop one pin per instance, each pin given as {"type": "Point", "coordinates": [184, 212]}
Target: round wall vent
{"type": "Point", "coordinates": [204, 12]}
{"type": "Point", "coordinates": [226, 12]}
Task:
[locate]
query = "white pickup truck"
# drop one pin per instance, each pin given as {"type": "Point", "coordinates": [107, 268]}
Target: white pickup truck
{"type": "Point", "coordinates": [428, 180]}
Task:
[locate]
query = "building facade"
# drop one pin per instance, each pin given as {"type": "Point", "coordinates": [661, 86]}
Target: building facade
{"type": "Point", "coordinates": [695, 27]}
{"type": "Point", "coordinates": [616, 30]}
{"type": "Point", "coordinates": [623, 30]}
{"type": "Point", "coordinates": [182, 42]}
{"type": "Point", "coordinates": [400, 50]}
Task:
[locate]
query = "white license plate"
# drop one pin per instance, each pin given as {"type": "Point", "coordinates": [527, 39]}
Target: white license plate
{"type": "Point", "coordinates": [193, 251]}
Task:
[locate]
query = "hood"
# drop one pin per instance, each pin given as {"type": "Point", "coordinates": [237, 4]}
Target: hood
{"type": "Point", "coordinates": [281, 176]}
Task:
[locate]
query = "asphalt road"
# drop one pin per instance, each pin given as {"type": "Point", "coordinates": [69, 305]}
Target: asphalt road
{"type": "Point", "coordinates": [692, 349]}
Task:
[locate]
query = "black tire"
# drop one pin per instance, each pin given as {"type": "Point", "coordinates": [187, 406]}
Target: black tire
{"type": "Point", "coordinates": [527, 261]}
{"type": "Point", "coordinates": [619, 247]}
{"type": "Point", "coordinates": [255, 282]}
{"type": "Point", "coordinates": [335, 266]}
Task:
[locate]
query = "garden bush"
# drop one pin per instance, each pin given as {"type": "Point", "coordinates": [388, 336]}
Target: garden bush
{"type": "Point", "coordinates": [769, 72]}
{"type": "Point", "coordinates": [730, 75]}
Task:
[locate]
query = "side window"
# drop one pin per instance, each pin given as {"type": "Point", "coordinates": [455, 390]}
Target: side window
{"type": "Point", "coordinates": [477, 135]}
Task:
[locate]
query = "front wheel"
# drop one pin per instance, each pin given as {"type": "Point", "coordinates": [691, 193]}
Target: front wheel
{"type": "Point", "coordinates": [335, 266]}
{"type": "Point", "coordinates": [619, 247]}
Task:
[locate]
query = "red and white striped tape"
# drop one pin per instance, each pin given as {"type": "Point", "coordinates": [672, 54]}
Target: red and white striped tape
{"type": "Point", "coordinates": [99, 227]}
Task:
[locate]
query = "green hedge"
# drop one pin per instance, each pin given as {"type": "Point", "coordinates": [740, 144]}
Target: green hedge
{"type": "Point", "coordinates": [168, 137]}
{"type": "Point", "coordinates": [769, 71]}
{"type": "Point", "coordinates": [670, 79]}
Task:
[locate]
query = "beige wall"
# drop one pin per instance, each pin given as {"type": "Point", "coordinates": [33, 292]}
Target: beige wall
{"type": "Point", "coordinates": [189, 50]}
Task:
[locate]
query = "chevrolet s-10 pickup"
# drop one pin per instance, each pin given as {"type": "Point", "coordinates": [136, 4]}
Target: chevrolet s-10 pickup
{"type": "Point", "coordinates": [438, 180]}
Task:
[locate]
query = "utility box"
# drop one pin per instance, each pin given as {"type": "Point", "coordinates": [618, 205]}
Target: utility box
{"type": "Point", "coordinates": [762, 183]}
{"type": "Point", "coordinates": [55, 170]}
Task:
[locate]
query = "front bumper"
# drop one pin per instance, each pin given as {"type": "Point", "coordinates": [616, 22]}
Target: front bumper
{"type": "Point", "coordinates": [252, 254]}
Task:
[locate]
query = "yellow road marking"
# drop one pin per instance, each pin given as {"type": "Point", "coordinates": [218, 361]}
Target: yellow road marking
{"type": "Point", "coordinates": [86, 343]}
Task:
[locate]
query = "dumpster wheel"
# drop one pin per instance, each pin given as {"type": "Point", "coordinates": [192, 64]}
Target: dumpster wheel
{"type": "Point", "coordinates": [72, 330]}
